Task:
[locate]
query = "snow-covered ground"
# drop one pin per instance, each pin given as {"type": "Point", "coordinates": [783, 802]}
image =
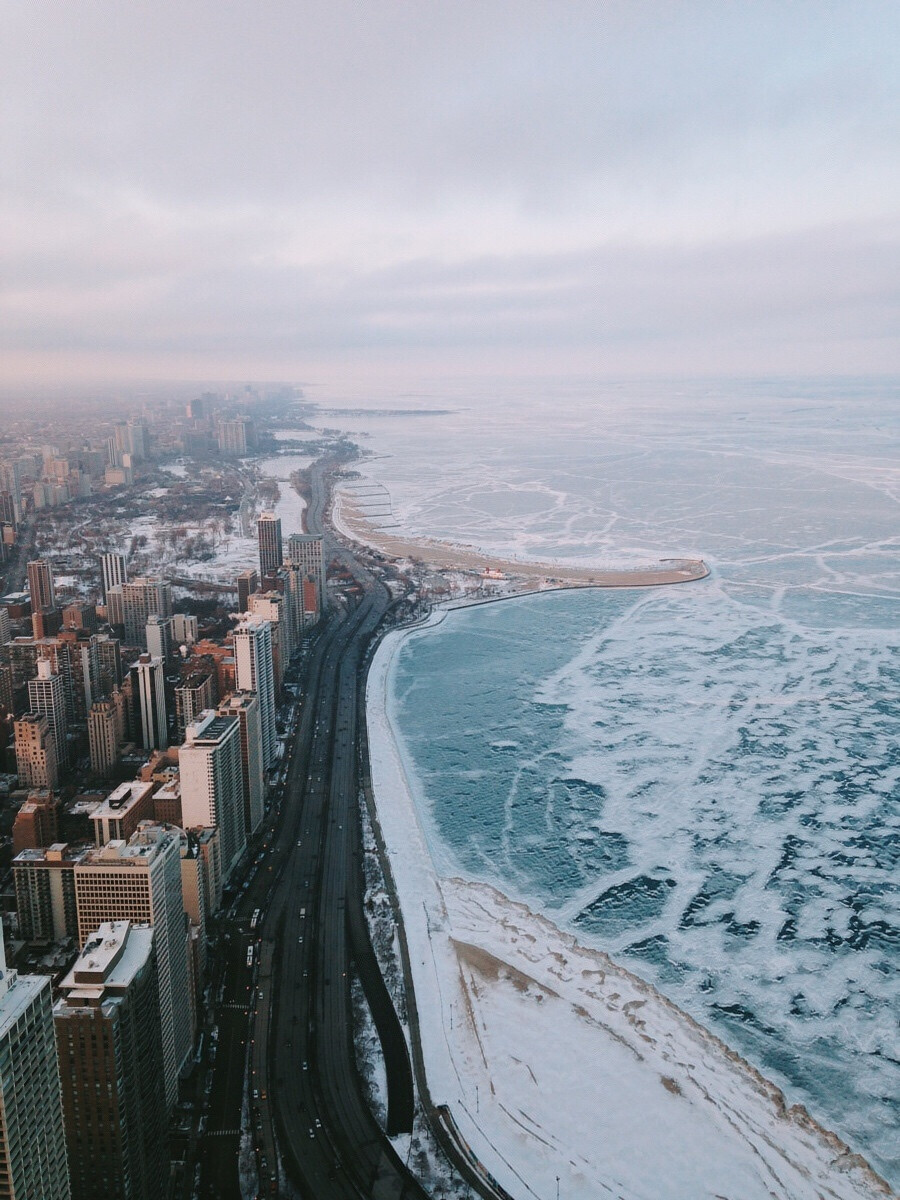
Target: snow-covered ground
{"type": "Point", "coordinates": [562, 1070]}
{"type": "Point", "coordinates": [227, 551]}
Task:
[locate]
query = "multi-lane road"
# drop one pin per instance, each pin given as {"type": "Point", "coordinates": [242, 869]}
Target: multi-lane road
{"type": "Point", "coordinates": [287, 951]}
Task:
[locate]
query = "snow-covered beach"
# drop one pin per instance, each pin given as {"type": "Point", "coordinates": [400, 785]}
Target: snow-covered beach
{"type": "Point", "coordinates": [560, 1068]}
{"type": "Point", "coordinates": [353, 523]}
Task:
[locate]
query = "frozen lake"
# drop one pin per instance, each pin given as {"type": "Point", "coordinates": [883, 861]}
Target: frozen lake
{"type": "Point", "coordinates": [703, 780]}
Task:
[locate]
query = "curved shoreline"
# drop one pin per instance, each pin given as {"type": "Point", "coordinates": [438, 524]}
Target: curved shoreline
{"type": "Point", "coordinates": [352, 525]}
{"type": "Point", "coordinates": [494, 964]}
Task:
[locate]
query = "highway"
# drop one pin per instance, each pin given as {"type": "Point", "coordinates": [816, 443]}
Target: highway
{"type": "Point", "coordinates": [286, 1013]}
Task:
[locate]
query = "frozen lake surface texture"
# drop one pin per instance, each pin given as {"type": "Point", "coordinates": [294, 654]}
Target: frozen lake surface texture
{"type": "Point", "coordinates": [702, 781]}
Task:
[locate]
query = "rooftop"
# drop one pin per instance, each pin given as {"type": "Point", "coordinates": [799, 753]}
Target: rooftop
{"type": "Point", "coordinates": [109, 961]}
{"type": "Point", "coordinates": [122, 799]}
{"type": "Point", "coordinates": [59, 852]}
{"type": "Point", "coordinates": [22, 991]}
{"type": "Point", "coordinates": [209, 728]}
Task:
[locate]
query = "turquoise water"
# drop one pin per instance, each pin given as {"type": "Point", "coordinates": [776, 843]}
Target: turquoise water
{"type": "Point", "coordinates": [712, 800]}
{"type": "Point", "coordinates": [703, 780]}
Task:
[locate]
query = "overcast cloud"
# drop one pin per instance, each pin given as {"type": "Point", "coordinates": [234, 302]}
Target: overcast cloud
{"type": "Point", "coordinates": [263, 190]}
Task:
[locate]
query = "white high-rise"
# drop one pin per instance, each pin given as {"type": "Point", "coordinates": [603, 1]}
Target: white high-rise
{"type": "Point", "coordinates": [32, 1137]}
{"type": "Point", "coordinates": [212, 785]}
{"type": "Point", "coordinates": [142, 598]}
{"type": "Point", "coordinates": [159, 636]}
{"type": "Point", "coordinates": [140, 881]}
{"type": "Point", "coordinates": [271, 607]}
{"type": "Point", "coordinates": [150, 701]}
{"type": "Point", "coordinates": [306, 549]}
{"type": "Point", "coordinates": [245, 706]}
{"type": "Point", "coordinates": [254, 673]}
{"type": "Point", "coordinates": [115, 571]}
{"type": "Point", "coordinates": [47, 698]}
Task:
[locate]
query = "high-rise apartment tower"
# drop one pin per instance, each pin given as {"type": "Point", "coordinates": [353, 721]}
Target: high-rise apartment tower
{"type": "Point", "coordinates": [32, 1142]}
{"type": "Point", "coordinates": [140, 881]}
{"type": "Point", "coordinates": [108, 1036]}
{"type": "Point", "coordinates": [40, 585]}
{"type": "Point", "coordinates": [255, 673]}
{"type": "Point", "coordinates": [212, 786]}
{"type": "Point", "coordinates": [268, 532]}
{"type": "Point", "coordinates": [115, 571]}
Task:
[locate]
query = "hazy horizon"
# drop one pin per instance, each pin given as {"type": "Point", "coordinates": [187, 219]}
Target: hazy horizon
{"type": "Point", "coordinates": [334, 190]}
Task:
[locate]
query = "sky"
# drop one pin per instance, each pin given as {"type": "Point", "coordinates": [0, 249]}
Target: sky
{"type": "Point", "coordinates": [296, 188]}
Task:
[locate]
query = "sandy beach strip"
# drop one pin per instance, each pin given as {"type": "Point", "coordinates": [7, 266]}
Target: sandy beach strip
{"type": "Point", "coordinates": [348, 520]}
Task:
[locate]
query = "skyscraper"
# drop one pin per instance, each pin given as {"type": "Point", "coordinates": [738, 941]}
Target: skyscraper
{"type": "Point", "coordinates": [142, 598]}
{"type": "Point", "coordinates": [245, 706]}
{"type": "Point", "coordinates": [196, 692]}
{"type": "Point", "coordinates": [185, 629]}
{"type": "Point", "coordinates": [268, 532]}
{"type": "Point", "coordinates": [234, 436]}
{"type": "Point", "coordinates": [77, 659]}
{"type": "Point", "coordinates": [115, 571]}
{"type": "Point", "coordinates": [212, 787]}
{"type": "Point", "coordinates": [37, 821]}
{"type": "Point", "coordinates": [159, 637]}
{"type": "Point", "coordinates": [108, 1036]}
{"type": "Point", "coordinates": [254, 673]}
{"type": "Point", "coordinates": [45, 892]}
{"type": "Point", "coordinates": [247, 583]}
{"type": "Point", "coordinates": [32, 1142]}
{"type": "Point", "coordinates": [306, 549]}
{"type": "Point", "coordinates": [36, 763]}
{"type": "Point", "coordinates": [294, 577]}
{"type": "Point", "coordinates": [140, 881]}
{"type": "Point", "coordinates": [7, 701]}
{"type": "Point", "coordinates": [148, 683]}
{"type": "Point", "coordinates": [40, 585]}
{"type": "Point", "coordinates": [271, 607]}
{"type": "Point", "coordinates": [280, 582]}
{"type": "Point", "coordinates": [11, 482]}
{"type": "Point", "coordinates": [115, 606]}
{"type": "Point", "coordinates": [46, 697]}
{"type": "Point", "coordinates": [103, 737]}
{"type": "Point", "coordinates": [109, 663]}
{"type": "Point", "coordinates": [122, 812]}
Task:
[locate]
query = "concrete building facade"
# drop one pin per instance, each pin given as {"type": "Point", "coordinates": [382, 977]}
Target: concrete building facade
{"type": "Point", "coordinates": [149, 695]}
{"type": "Point", "coordinates": [35, 752]}
{"type": "Point", "coordinates": [253, 655]}
{"type": "Point", "coordinates": [268, 534]}
{"type": "Point", "coordinates": [212, 790]}
{"type": "Point", "coordinates": [140, 881]}
{"type": "Point", "coordinates": [44, 880]}
{"type": "Point", "coordinates": [32, 1140]}
{"type": "Point", "coordinates": [245, 706]}
{"type": "Point", "coordinates": [108, 1036]}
